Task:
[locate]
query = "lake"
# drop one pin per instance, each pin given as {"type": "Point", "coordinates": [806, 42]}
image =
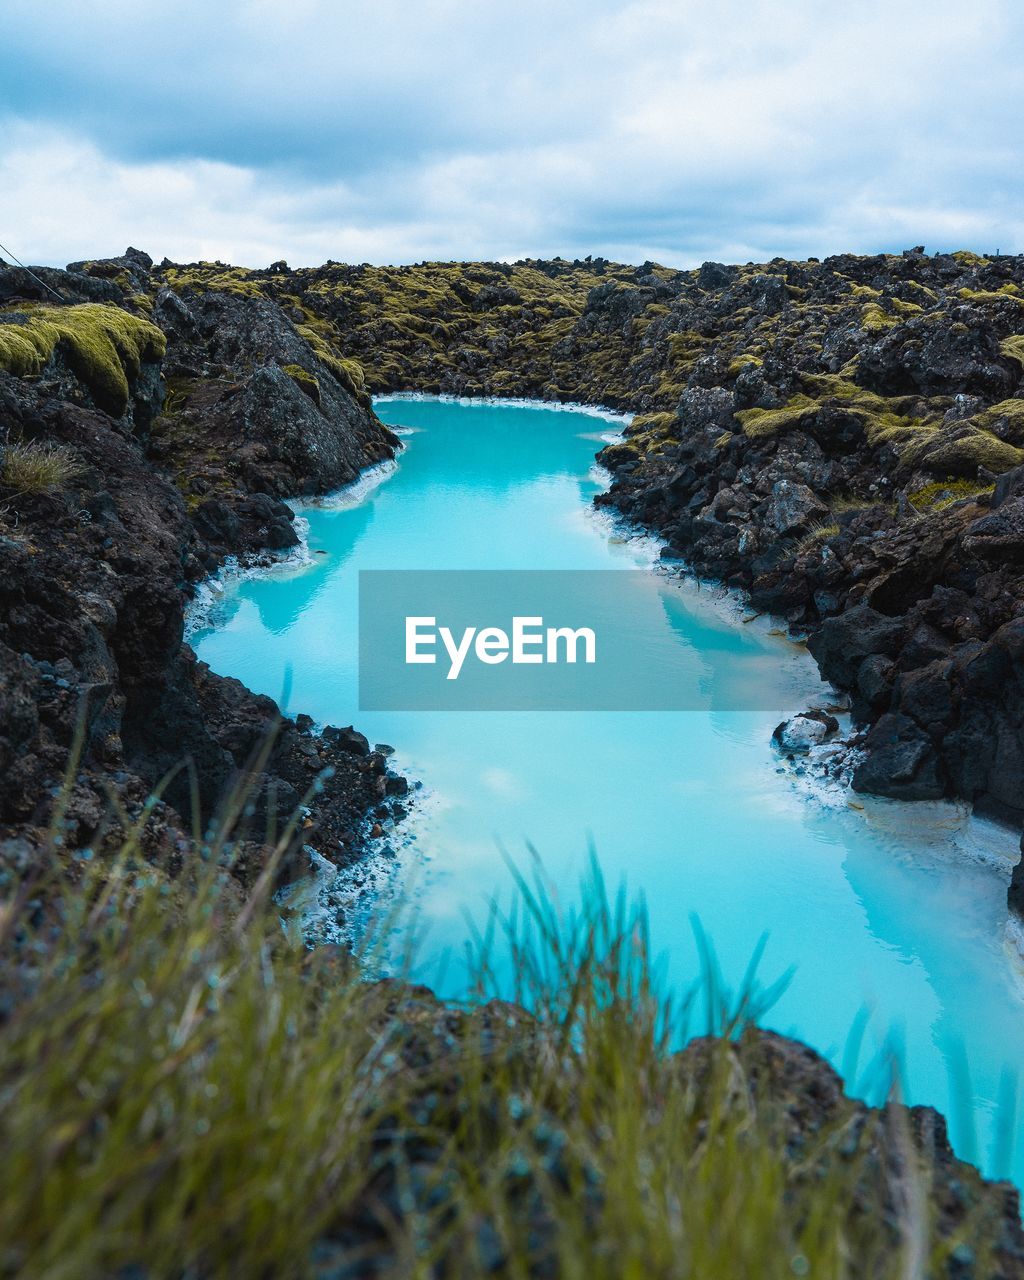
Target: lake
{"type": "Point", "coordinates": [894, 909]}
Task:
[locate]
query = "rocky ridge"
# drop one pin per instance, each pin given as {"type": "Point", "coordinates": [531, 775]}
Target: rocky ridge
{"type": "Point", "coordinates": [225, 408]}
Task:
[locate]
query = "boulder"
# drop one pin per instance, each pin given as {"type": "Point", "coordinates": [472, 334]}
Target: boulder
{"type": "Point", "coordinates": [809, 729]}
{"type": "Point", "coordinates": [999, 535]}
{"type": "Point", "coordinates": [901, 762]}
{"type": "Point", "coordinates": [845, 640]}
{"type": "Point", "coordinates": [1015, 890]}
{"type": "Point", "coordinates": [792, 507]}
{"type": "Point", "coordinates": [347, 739]}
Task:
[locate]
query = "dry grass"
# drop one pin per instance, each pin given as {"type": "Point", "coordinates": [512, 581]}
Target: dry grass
{"type": "Point", "coordinates": [37, 467]}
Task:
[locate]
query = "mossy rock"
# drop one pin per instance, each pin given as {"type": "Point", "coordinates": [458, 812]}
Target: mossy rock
{"type": "Point", "coordinates": [746, 359]}
{"type": "Point", "coordinates": [1008, 293]}
{"type": "Point", "coordinates": [348, 372]}
{"type": "Point", "coordinates": [104, 346]}
{"type": "Point", "coordinates": [961, 451]}
{"type": "Point", "coordinates": [889, 427]}
{"type": "Point", "coordinates": [203, 276]}
{"type": "Point", "coordinates": [875, 320]}
{"type": "Point", "coordinates": [1013, 348]}
{"type": "Point", "coordinates": [657, 425]}
{"type": "Point", "coordinates": [944, 493]}
{"type": "Point", "coordinates": [766, 422]}
{"type": "Point", "coordinates": [1005, 419]}
{"type": "Point", "coordinates": [304, 380]}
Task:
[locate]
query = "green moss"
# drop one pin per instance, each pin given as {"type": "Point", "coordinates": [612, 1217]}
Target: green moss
{"type": "Point", "coordinates": [202, 276]}
{"type": "Point", "coordinates": [943, 493]}
{"type": "Point", "coordinates": [105, 346]}
{"type": "Point", "coordinates": [876, 318]}
{"type": "Point", "coordinates": [660, 425]}
{"type": "Point", "coordinates": [348, 372]}
{"type": "Point", "coordinates": [622, 451]}
{"type": "Point", "coordinates": [766, 422]}
{"type": "Point", "coordinates": [1013, 347]}
{"type": "Point", "coordinates": [141, 302]}
{"type": "Point", "coordinates": [968, 259]}
{"type": "Point", "coordinates": [1005, 418]}
{"type": "Point", "coordinates": [740, 362]}
{"type": "Point", "coordinates": [831, 386]}
{"type": "Point", "coordinates": [895, 428]}
{"type": "Point", "coordinates": [25, 348]}
{"type": "Point", "coordinates": [1008, 293]}
{"type": "Point", "coordinates": [962, 453]}
{"type": "Point", "coordinates": [685, 347]}
{"type": "Point", "coordinates": [305, 380]}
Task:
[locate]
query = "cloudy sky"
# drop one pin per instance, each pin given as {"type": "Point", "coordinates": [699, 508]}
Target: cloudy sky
{"type": "Point", "coordinates": [396, 130]}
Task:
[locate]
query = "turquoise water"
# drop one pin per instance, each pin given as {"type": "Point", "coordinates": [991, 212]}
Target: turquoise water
{"type": "Point", "coordinates": [884, 909]}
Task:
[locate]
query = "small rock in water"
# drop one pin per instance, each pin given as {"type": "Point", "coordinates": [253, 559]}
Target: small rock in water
{"type": "Point", "coordinates": [809, 729]}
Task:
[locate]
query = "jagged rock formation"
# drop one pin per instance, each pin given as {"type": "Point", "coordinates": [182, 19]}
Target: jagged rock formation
{"type": "Point", "coordinates": [96, 565]}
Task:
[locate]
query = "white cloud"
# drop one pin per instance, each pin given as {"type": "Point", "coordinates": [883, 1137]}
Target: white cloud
{"type": "Point", "coordinates": [671, 129]}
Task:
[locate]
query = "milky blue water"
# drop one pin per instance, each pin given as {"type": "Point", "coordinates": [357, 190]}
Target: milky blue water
{"type": "Point", "coordinates": [884, 908]}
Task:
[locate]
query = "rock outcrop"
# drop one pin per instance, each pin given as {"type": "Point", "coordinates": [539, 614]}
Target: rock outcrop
{"type": "Point", "coordinates": [98, 561]}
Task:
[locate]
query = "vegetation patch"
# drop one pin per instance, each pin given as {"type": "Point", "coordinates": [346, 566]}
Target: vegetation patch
{"type": "Point", "coordinates": [214, 275]}
{"type": "Point", "coordinates": [185, 1091]}
{"type": "Point", "coordinates": [348, 372]}
{"type": "Point", "coordinates": [738, 363]}
{"type": "Point", "coordinates": [875, 319]}
{"type": "Point", "coordinates": [766, 422]}
{"type": "Point", "coordinates": [105, 347]}
{"type": "Point", "coordinates": [815, 535]}
{"type": "Point", "coordinates": [1008, 293]}
{"type": "Point", "coordinates": [1013, 347]}
{"type": "Point", "coordinates": [305, 380]}
{"type": "Point", "coordinates": [1005, 419]}
{"type": "Point", "coordinates": [944, 493]}
{"type": "Point", "coordinates": [961, 451]}
{"type": "Point", "coordinates": [37, 467]}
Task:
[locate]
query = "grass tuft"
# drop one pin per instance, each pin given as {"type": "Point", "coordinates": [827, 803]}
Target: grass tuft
{"type": "Point", "coordinates": [816, 534]}
{"type": "Point", "coordinates": [185, 1091]}
{"type": "Point", "coordinates": [36, 467]}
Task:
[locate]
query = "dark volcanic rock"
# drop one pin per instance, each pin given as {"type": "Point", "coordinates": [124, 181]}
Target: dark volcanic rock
{"type": "Point", "coordinates": [842, 643]}
{"type": "Point", "coordinates": [255, 415]}
{"type": "Point", "coordinates": [844, 440]}
{"type": "Point", "coordinates": [95, 573]}
{"type": "Point", "coordinates": [902, 763]}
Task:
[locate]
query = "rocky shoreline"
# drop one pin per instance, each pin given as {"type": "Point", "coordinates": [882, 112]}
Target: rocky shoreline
{"type": "Point", "coordinates": [97, 568]}
{"type": "Point", "coordinates": [841, 441]}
